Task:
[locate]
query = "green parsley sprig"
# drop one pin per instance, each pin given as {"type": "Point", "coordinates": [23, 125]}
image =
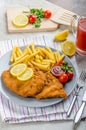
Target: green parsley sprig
{"type": "Point", "coordinates": [39, 13]}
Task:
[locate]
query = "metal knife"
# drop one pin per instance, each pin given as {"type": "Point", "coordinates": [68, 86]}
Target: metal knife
{"type": "Point", "coordinates": [80, 111]}
{"type": "Point", "coordinates": [73, 101]}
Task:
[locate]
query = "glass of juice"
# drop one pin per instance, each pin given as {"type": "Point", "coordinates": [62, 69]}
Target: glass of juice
{"type": "Point", "coordinates": [80, 34]}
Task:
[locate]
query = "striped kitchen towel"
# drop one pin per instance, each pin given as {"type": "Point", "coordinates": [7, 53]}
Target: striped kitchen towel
{"type": "Point", "coordinates": [14, 113]}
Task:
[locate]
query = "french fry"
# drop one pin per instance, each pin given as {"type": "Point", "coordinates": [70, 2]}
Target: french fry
{"type": "Point", "coordinates": [40, 51]}
{"type": "Point", "coordinates": [19, 51]}
{"type": "Point", "coordinates": [30, 64]}
{"type": "Point", "coordinates": [37, 56]}
{"type": "Point", "coordinates": [37, 60]}
{"type": "Point", "coordinates": [41, 66]}
{"type": "Point", "coordinates": [29, 50]}
{"type": "Point", "coordinates": [33, 54]}
{"type": "Point", "coordinates": [48, 49]}
{"type": "Point", "coordinates": [11, 59]}
{"type": "Point", "coordinates": [61, 57]}
{"type": "Point", "coordinates": [46, 63]}
{"type": "Point", "coordinates": [33, 48]}
{"type": "Point", "coordinates": [40, 57]}
{"type": "Point", "coordinates": [48, 60]}
{"type": "Point", "coordinates": [13, 55]}
{"type": "Point", "coordinates": [23, 59]}
{"type": "Point", "coordinates": [48, 54]}
{"type": "Point", "coordinates": [25, 50]}
{"type": "Point", "coordinates": [20, 57]}
{"type": "Point", "coordinates": [43, 58]}
{"type": "Point", "coordinates": [56, 57]}
{"type": "Point", "coordinates": [17, 54]}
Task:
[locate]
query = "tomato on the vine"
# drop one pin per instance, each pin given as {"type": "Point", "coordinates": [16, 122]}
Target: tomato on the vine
{"type": "Point", "coordinates": [32, 18]}
{"type": "Point", "coordinates": [70, 75]}
{"type": "Point", "coordinates": [47, 14]}
{"type": "Point", "coordinates": [63, 78]}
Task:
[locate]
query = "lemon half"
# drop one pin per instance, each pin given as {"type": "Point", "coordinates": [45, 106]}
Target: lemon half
{"type": "Point", "coordinates": [27, 75]}
{"type": "Point", "coordinates": [62, 35]}
{"type": "Point", "coordinates": [68, 47]}
{"type": "Point", "coordinates": [20, 20]}
{"type": "Point", "coordinates": [18, 69]}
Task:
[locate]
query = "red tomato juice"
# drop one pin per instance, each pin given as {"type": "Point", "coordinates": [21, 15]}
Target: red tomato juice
{"type": "Point", "coordinates": [81, 35]}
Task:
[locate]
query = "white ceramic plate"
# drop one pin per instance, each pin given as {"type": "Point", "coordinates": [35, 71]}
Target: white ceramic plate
{"type": "Point", "coordinates": [32, 102]}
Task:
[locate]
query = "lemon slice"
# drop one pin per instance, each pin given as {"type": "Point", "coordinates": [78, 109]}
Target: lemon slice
{"type": "Point", "coordinates": [62, 35]}
{"type": "Point", "coordinates": [68, 47]}
{"type": "Point", "coordinates": [20, 20]}
{"type": "Point", "coordinates": [27, 75]}
{"type": "Point", "coordinates": [18, 69]}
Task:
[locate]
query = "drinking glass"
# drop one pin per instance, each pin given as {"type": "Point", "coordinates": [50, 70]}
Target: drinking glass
{"type": "Point", "coordinates": [79, 31]}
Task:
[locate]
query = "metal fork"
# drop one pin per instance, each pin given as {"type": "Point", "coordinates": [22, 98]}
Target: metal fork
{"type": "Point", "coordinates": [80, 84]}
{"type": "Point", "coordinates": [63, 16]}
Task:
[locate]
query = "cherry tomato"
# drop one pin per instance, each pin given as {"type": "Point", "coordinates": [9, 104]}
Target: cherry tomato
{"type": "Point", "coordinates": [63, 78]}
{"type": "Point", "coordinates": [60, 62]}
{"type": "Point", "coordinates": [47, 14]}
{"type": "Point", "coordinates": [70, 75]}
{"type": "Point", "coordinates": [32, 18]}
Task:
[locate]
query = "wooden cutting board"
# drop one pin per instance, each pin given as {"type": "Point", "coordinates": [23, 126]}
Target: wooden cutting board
{"type": "Point", "coordinates": [46, 25]}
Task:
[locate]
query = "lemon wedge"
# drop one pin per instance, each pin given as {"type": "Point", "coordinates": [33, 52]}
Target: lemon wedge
{"type": "Point", "coordinates": [62, 35]}
{"type": "Point", "coordinates": [18, 69]}
{"type": "Point", "coordinates": [27, 75]}
{"type": "Point", "coordinates": [68, 47]}
{"type": "Point", "coordinates": [20, 20]}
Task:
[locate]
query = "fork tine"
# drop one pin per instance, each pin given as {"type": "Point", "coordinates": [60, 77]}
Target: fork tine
{"type": "Point", "coordinates": [69, 14]}
{"type": "Point", "coordinates": [66, 20]}
{"type": "Point", "coordinates": [63, 16]}
{"type": "Point", "coordinates": [66, 17]}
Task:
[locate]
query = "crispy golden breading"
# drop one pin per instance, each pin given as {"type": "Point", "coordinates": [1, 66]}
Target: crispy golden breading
{"type": "Point", "coordinates": [27, 88]}
{"type": "Point", "coordinates": [52, 88]}
{"type": "Point", "coordinates": [41, 85]}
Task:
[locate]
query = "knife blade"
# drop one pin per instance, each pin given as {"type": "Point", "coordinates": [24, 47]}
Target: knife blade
{"type": "Point", "coordinates": [80, 111]}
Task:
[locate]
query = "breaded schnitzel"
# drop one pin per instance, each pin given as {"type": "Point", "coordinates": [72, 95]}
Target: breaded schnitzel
{"type": "Point", "coordinates": [52, 88]}
{"type": "Point", "coordinates": [41, 85]}
{"type": "Point", "coordinates": [27, 88]}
